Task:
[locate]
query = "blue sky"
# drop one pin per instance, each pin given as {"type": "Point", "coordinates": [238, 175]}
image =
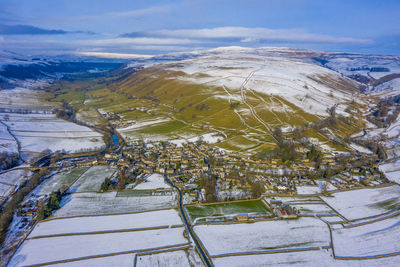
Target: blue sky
{"type": "Point", "coordinates": [154, 27]}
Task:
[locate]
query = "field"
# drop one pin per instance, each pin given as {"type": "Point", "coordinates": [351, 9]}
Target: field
{"type": "Point", "coordinates": [79, 204]}
{"type": "Point", "coordinates": [110, 261]}
{"type": "Point", "coordinates": [161, 218]}
{"type": "Point", "coordinates": [92, 179]}
{"type": "Point", "coordinates": [154, 181]}
{"type": "Point", "coordinates": [297, 200]}
{"type": "Point", "coordinates": [176, 258]}
{"type": "Point", "coordinates": [391, 170]}
{"type": "Point", "coordinates": [314, 209]}
{"type": "Point", "coordinates": [20, 97]}
{"type": "Point", "coordinates": [36, 132]}
{"type": "Point", "coordinates": [7, 142]}
{"type": "Point", "coordinates": [60, 181]}
{"type": "Point", "coordinates": [42, 250]}
{"type": "Point", "coordinates": [6, 190]}
{"type": "Point", "coordinates": [299, 259]}
{"type": "Point", "coordinates": [263, 236]}
{"type": "Point", "coordinates": [357, 204]}
{"type": "Point", "coordinates": [308, 190]}
{"type": "Point", "coordinates": [378, 238]}
{"type": "Point", "coordinates": [202, 212]}
{"type": "Point", "coordinates": [14, 177]}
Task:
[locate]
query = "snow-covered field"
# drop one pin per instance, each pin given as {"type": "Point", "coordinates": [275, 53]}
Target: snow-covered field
{"type": "Point", "coordinates": [109, 261]}
{"type": "Point", "coordinates": [7, 142]}
{"type": "Point", "coordinates": [107, 223]}
{"type": "Point", "coordinates": [297, 200]}
{"type": "Point", "coordinates": [307, 190]}
{"type": "Point", "coordinates": [36, 132]}
{"type": "Point", "coordinates": [263, 236]}
{"type": "Point", "coordinates": [42, 250]}
{"type": "Point", "coordinates": [174, 258]}
{"type": "Point", "coordinates": [92, 179]}
{"type": "Point", "coordinates": [357, 204]}
{"type": "Point", "coordinates": [154, 181]}
{"type": "Point", "coordinates": [60, 181]}
{"type": "Point", "coordinates": [14, 177]}
{"type": "Point", "coordinates": [391, 170]}
{"type": "Point", "coordinates": [210, 138]}
{"type": "Point", "coordinates": [360, 64]}
{"type": "Point", "coordinates": [6, 190]}
{"type": "Point", "coordinates": [314, 258]}
{"type": "Point", "coordinates": [314, 209]}
{"type": "Point", "coordinates": [373, 239]}
{"type": "Point", "coordinates": [109, 203]}
{"type": "Point", "coordinates": [360, 149]}
{"type": "Point", "coordinates": [389, 88]}
{"type": "Point", "coordinates": [20, 97]}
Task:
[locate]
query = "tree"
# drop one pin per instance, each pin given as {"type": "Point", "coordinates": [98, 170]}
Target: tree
{"type": "Point", "coordinates": [8, 160]}
{"type": "Point", "coordinates": [105, 186]}
{"type": "Point", "coordinates": [315, 155]}
{"type": "Point", "coordinates": [209, 183]}
{"type": "Point", "coordinates": [54, 200]}
{"type": "Point", "coordinates": [257, 189]}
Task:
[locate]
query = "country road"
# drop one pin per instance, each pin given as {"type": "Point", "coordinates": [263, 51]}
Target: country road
{"type": "Point", "coordinates": [203, 253]}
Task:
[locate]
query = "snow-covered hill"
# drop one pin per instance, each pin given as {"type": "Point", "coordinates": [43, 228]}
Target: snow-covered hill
{"type": "Point", "coordinates": [310, 87]}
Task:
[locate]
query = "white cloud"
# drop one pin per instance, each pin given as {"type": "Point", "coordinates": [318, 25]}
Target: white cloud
{"type": "Point", "coordinates": [259, 34]}
{"type": "Point", "coordinates": [138, 41]}
{"type": "Point", "coordinates": [140, 12]}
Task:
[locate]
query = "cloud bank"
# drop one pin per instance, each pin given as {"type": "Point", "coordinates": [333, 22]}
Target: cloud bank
{"type": "Point", "coordinates": [247, 35]}
{"type": "Point", "coordinates": [32, 30]}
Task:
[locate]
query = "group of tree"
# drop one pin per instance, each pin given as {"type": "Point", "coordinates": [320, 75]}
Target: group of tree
{"type": "Point", "coordinates": [41, 158]}
{"type": "Point", "coordinates": [8, 160]}
{"type": "Point", "coordinates": [386, 113]}
{"type": "Point", "coordinates": [106, 185]}
{"type": "Point", "coordinates": [315, 156]}
{"type": "Point", "coordinates": [124, 177]}
{"type": "Point", "coordinates": [286, 149]}
{"type": "Point", "coordinates": [257, 188]}
{"type": "Point", "coordinates": [208, 182]}
{"type": "Point", "coordinates": [65, 112]}
{"type": "Point", "coordinates": [202, 106]}
{"type": "Point", "coordinates": [234, 104]}
{"type": "Point", "coordinates": [7, 211]}
{"type": "Point", "coordinates": [375, 146]}
{"type": "Point", "coordinates": [52, 204]}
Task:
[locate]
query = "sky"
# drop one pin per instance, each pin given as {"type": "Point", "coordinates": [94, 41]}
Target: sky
{"type": "Point", "coordinates": [155, 27]}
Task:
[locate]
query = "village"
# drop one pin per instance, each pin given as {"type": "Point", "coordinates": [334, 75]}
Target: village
{"type": "Point", "coordinates": [209, 187]}
{"type": "Point", "coordinates": [209, 174]}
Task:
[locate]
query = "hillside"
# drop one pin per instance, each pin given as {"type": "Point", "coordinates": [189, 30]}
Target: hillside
{"type": "Point", "coordinates": [236, 96]}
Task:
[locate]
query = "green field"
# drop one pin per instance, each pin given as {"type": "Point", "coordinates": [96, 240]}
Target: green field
{"type": "Point", "coordinates": [252, 207]}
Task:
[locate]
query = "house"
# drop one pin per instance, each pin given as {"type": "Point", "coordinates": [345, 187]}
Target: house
{"type": "Point", "coordinates": [242, 217]}
{"type": "Point", "coordinates": [275, 203]}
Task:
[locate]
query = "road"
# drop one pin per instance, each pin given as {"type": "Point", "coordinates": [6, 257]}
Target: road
{"type": "Point", "coordinates": [203, 253]}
